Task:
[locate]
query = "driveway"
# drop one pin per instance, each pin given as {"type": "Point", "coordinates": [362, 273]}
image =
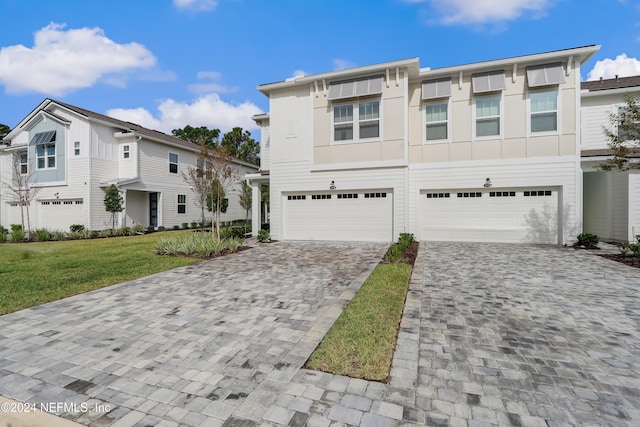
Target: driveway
{"type": "Point", "coordinates": [491, 335]}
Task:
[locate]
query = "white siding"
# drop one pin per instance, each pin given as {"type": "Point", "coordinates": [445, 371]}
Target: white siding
{"type": "Point", "coordinates": [619, 189]}
{"type": "Point", "coordinates": [594, 118]}
{"type": "Point", "coordinates": [296, 176]}
{"type": "Point", "coordinates": [469, 175]}
{"type": "Point", "coordinates": [265, 146]}
{"type": "Point", "coordinates": [596, 204]}
{"type": "Point", "coordinates": [634, 205]}
{"type": "Point", "coordinates": [291, 126]}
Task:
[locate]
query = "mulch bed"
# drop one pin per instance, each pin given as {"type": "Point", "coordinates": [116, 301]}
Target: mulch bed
{"type": "Point", "coordinates": [411, 253]}
{"type": "Point", "coordinates": [630, 260]}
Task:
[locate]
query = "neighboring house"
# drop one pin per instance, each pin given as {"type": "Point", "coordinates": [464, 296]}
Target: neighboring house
{"type": "Point", "coordinates": [611, 199]}
{"type": "Point", "coordinates": [72, 155]}
{"type": "Point", "coordinates": [480, 152]}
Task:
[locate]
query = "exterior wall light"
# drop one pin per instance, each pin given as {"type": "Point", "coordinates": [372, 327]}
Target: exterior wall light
{"type": "Point", "coordinates": [487, 183]}
{"type": "Point", "coordinates": [332, 186]}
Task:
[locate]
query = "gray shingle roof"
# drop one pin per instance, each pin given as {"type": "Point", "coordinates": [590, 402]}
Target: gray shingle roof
{"type": "Point", "coordinates": [616, 83]}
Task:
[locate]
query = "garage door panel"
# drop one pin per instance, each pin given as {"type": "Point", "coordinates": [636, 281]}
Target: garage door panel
{"type": "Point", "coordinates": [493, 215]}
{"type": "Point", "coordinates": [355, 215]}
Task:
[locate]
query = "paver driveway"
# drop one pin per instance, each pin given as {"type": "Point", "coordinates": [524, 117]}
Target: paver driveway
{"type": "Point", "coordinates": [491, 335]}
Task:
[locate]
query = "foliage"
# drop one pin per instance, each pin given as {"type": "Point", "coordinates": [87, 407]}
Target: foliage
{"type": "Point", "coordinates": [58, 235]}
{"type": "Point", "coordinates": [17, 235]}
{"type": "Point", "coordinates": [61, 269]}
{"type": "Point", "coordinates": [588, 240]}
{"type": "Point", "coordinates": [21, 189]}
{"type": "Point", "coordinates": [623, 136]}
{"type": "Point", "coordinates": [151, 229]}
{"type": "Point", "coordinates": [240, 145]}
{"type": "Point", "coordinates": [198, 135]}
{"type": "Point", "coordinates": [76, 227]}
{"type": "Point", "coordinates": [185, 225]}
{"type": "Point", "coordinates": [396, 250]}
{"type": "Point", "coordinates": [361, 342]}
{"type": "Point", "coordinates": [113, 203]}
{"type": "Point", "coordinates": [4, 130]}
{"type": "Point", "coordinates": [232, 232]}
{"type": "Point", "coordinates": [203, 245]}
{"type": "Point", "coordinates": [138, 229]}
{"type": "Point", "coordinates": [42, 235]}
{"type": "Point", "coordinates": [245, 200]}
{"type": "Point", "coordinates": [4, 233]}
{"type": "Point", "coordinates": [215, 196]}
{"type": "Point", "coordinates": [635, 249]}
{"type": "Point", "coordinates": [263, 236]}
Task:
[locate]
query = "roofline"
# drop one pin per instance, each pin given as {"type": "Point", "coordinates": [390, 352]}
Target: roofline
{"type": "Point", "coordinates": [586, 93]}
{"type": "Point", "coordinates": [343, 74]}
{"type": "Point", "coordinates": [583, 53]}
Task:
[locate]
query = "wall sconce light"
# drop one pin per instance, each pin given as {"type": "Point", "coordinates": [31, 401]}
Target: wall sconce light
{"type": "Point", "coordinates": [487, 183]}
{"type": "Point", "coordinates": [332, 186]}
{"type": "Point", "coordinates": [57, 195]}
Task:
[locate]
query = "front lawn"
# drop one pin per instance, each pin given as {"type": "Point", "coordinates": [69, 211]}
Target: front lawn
{"type": "Point", "coordinates": [35, 273]}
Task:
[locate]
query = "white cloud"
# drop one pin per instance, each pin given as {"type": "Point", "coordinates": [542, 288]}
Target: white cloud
{"type": "Point", "coordinates": [341, 64]}
{"type": "Point", "coordinates": [62, 61]}
{"type": "Point", "coordinates": [484, 11]}
{"type": "Point", "coordinates": [196, 4]}
{"type": "Point", "coordinates": [209, 110]}
{"type": "Point", "coordinates": [212, 86]}
{"type": "Point", "coordinates": [608, 68]}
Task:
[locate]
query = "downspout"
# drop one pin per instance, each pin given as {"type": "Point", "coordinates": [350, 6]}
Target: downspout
{"type": "Point", "coordinates": [88, 183]}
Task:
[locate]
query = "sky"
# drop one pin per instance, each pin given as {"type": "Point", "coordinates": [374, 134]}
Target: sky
{"type": "Point", "coordinates": [165, 64]}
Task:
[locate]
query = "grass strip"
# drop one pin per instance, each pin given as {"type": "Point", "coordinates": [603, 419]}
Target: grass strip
{"type": "Point", "coordinates": [361, 342]}
{"type": "Point", "coordinates": [34, 273]}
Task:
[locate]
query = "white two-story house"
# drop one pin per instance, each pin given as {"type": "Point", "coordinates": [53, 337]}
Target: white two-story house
{"type": "Point", "coordinates": [479, 152]}
{"type": "Point", "coordinates": [611, 199]}
{"type": "Point", "coordinates": [71, 156]}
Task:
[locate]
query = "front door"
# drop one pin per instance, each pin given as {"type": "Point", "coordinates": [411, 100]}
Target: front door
{"type": "Point", "coordinates": [153, 209]}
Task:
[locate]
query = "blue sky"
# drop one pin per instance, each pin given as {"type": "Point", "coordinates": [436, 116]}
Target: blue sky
{"type": "Point", "coordinates": [168, 63]}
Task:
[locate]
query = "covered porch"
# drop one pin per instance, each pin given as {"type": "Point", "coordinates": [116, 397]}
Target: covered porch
{"type": "Point", "coordinates": [259, 206]}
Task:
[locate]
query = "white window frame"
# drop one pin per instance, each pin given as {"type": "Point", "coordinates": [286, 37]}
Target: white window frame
{"type": "Point", "coordinates": [76, 148]}
{"type": "Point", "coordinates": [183, 204]}
{"type": "Point", "coordinates": [24, 165]}
{"type": "Point", "coordinates": [500, 117]}
{"type": "Point", "coordinates": [46, 156]}
{"type": "Point", "coordinates": [356, 122]}
{"type": "Point", "coordinates": [126, 151]}
{"type": "Point", "coordinates": [530, 113]}
{"type": "Point", "coordinates": [177, 162]}
{"type": "Point", "coordinates": [426, 123]}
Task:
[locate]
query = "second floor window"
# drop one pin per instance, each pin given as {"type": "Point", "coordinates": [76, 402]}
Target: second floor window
{"type": "Point", "coordinates": [76, 148]}
{"type": "Point", "coordinates": [46, 156]}
{"type": "Point", "coordinates": [488, 116]}
{"type": "Point", "coordinates": [352, 122]}
{"type": "Point", "coordinates": [544, 110]}
{"type": "Point", "coordinates": [437, 118]}
{"type": "Point", "coordinates": [24, 163]}
{"type": "Point", "coordinates": [173, 163]}
{"type": "Point", "coordinates": [182, 203]}
{"type": "Point", "coordinates": [125, 152]}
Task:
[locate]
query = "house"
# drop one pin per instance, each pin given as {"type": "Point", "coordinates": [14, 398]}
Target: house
{"type": "Point", "coordinates": [72, 155]}
{"type": "Point", "coordinates": [487, 152]}
{"type": "Point", "coordinates": [611, 199]}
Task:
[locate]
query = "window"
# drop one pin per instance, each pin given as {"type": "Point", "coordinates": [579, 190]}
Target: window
{"type": "Point", "coordinates": [488, 116]}
{"type": "Point", "coordinates": [348, 196]}
{"type": "Point", "coordinates": [297, 197]}
{"type": "Point", "coordinates": [544, 110]}
{"type": "Point", "coordinates": [46, 156]}
{"type": "Point", "coordinates": [627, 126]}
{"type": "Point", "coordinates": [173, 163]}
{"type": "Point", "coordinates": [437, 118]}
{"type": "Point", "coordinates": [182, 203]}
{"type": "Point", "coordinates": [24, 163]}
{"type": "Point", "coordinates": [76, 148]}
{"type": "Point", "coordinates": [467, 195]}
{"type": "Point", "coordinates": [368, 126]}
{"type": "Point", "coordinates": [125, 151]}
{"type": "Point", "coordinates": [320, 196]}
{"type": "Point", "coordinates": [438, 195]}
{"type": "Point", "coordinates": [374, 195]}
{"type": "Point", "coordinates": [502, 194]}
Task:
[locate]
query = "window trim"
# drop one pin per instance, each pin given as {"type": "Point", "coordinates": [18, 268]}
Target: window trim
{"type": "Point", "coordinates": [501, 118]}
{"type": "Point", "coordinates": [182, 204]}
{"type": "Point", "coordinates": [176, 163]}
{"type": "Point", "coordinates": [557, 111]}
{"type": "Point", "coordinates": [24, 165]}
{"type": "Point", "coordinates": [356, 122]}
{"type": "Point", "coordinates": [126, 151]}
{"type": "Point", "coordinates": [46, 156]}
{"type": "Point", "coordinates": [76, 148]}
{"type": "Point", "coordinates": [446, 102]}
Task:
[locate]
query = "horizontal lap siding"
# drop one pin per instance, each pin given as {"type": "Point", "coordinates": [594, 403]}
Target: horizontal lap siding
{"type": "Point", "coordinates": [467, 176]}
{"type": "Point", "coordinates": [296, 176]}
{"type": "Point", "coordinates": [634, 205]}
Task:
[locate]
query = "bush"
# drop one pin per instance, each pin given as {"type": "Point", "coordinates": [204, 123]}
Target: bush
{"type": "Point", "coordinates": [395, 251]}
{"type": "Point", "coordinates": [635, 249]}
{"type": "Point", "coordinates": [263, 236]}
{"type": "Point", "coordinates": [87, 234]}
{"type": "Point", "coordinates": [138, 229]}
{"type": "Point", "coordinates": [588, 240]}
{"type": "Point", "coordinates": [201, 244]}
{"type": "Point", "coordinates": [74, 228]}
{"type": "Point", "coordinates": [161, 228]}
{"type": "Point", "coordinates": [194, 224]}
{"type": "Point", "coordinates": [176, 227]}
{"type": "Point", "coordinates": [42, 235]}
{"type": "Point", "coordinates": [185, 225]}
{"type": "Point", "coordinates": [106, 233]}
{"type": "Point", "coordinates": [17, 235]}
{"type": "Point", "coordinates": [151, 229]}
{"type": "Point", "coordinates": [94, 234]}
{"type": "Point", "coordinates": [236, 232]}
{"type": "Point", "coordinates": [3, 234]}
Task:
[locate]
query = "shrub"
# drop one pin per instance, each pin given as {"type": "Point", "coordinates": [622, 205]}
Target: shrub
{"type": "Point", "coordinates": [74, 235]}
{"type": "Point", "coordinates": [105, 233]}
{"type": "Point", "coordinates": [3, 234]}
{"type": "Point", "coordinates": [94, 234]}
{"type": "Point", "coordinates": [588, 240]}
{"type": "Point", "coordinates": [635, 249]}
{"type": "Point", "coordinates": [236, 232]}
{"type": "Point", "coordinates": [74, 228]}
{"type": "Point", "coordinates": [395, 251]}
{"type": "Point", "coordinates": [161, 228]}
{"type": "Point", "coordinates": [185, 225]}
{"type": "Point", "coordinates": [201, 244]}
{"type": "Point", "coordinates": [59, 235]}
{"type": "Point", "coordinates": [176, 227]}
{"type": "Point", "coordinates": [87, 234]}
{"type": "Point", "coordinates": [194, 224]}
{"type": "Point", "coordinates": [151, 229]}
{"type": "Point", "coordinates": [17, 235]}
{"type": "Point", "coordinates": [138, 229]}
{"type": "Point", "coordinates": [42, 235]}
{"type": "Point", "coordinates": [263, 236]}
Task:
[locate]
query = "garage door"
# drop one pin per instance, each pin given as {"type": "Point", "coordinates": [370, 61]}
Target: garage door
{"type": "Point", "coordinates": [347, 216]}
{"type": "Point", "coordinates": [492, 215]}
{"type": "Point", "coordinates": [60, 214]}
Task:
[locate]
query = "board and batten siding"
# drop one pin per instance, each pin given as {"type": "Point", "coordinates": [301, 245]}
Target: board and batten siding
{"type": "Point", "coordinates": [634, 205]}
{"type": "Point", "coordinates": [297, 177]}
{"type": "Point", "coordinates": [550, 172]}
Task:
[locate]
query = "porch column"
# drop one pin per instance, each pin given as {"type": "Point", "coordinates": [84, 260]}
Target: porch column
{"type": "Point", "coordinates": [256, 207]}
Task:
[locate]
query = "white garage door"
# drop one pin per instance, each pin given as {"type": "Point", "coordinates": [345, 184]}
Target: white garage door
{"type": "Point", "coordinates": [60, 214]}
{"type": "Point", "coordinates": [490, 215]}
{"type": "Point", "coordinates": [347, 216]}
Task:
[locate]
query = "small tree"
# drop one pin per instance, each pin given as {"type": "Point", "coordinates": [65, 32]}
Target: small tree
{"type": "Point", "coordinates": [216, 200]}
{"type": "Point", "coordinates": [623, 136]}
{"type": "Point", "coordinates": [21, 188]}
{"type": "Point", "coordinates": [113, 203]}
{"type": "Point", "coordinates": [246, 201]}
{"type": "Point", "coordinates": [221, 173]}
{"type": "Point", "coordinates": [197, 179]}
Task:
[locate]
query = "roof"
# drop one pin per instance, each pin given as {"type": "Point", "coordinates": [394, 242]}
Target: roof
{"type": "Point", "coordinates": [615, 83]}
{"type": "Point", "coordinates": [600, 152]}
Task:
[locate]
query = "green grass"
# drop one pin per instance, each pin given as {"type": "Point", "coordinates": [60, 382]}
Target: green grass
{"type": "Point", "coordinates": [35, 273]}
{"type": "Point", "coordinates": [361, 342]}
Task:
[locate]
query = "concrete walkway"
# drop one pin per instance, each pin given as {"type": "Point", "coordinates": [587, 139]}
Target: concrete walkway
{"type": "Point", "coordinates": [491, 335]}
